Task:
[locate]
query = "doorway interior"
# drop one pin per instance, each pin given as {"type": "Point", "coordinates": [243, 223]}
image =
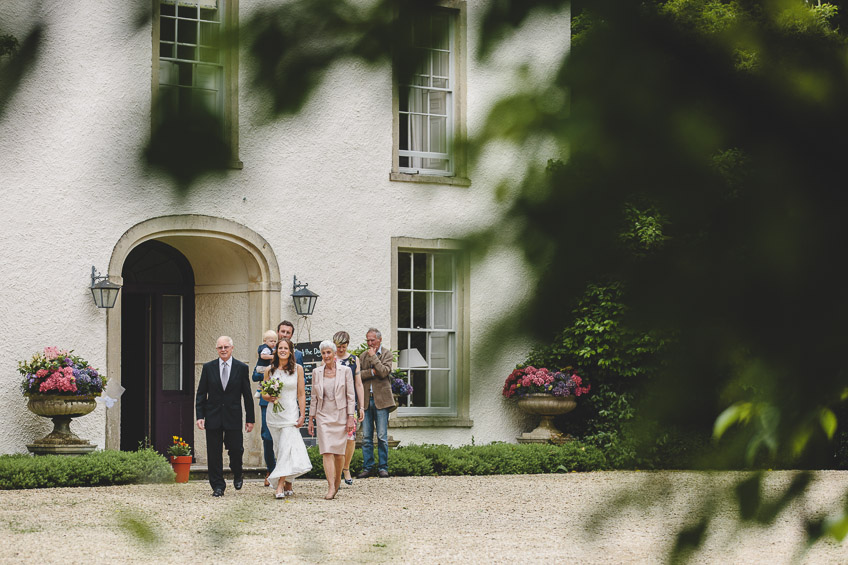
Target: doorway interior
{"type": "Point", "coordinates": [157, 347]}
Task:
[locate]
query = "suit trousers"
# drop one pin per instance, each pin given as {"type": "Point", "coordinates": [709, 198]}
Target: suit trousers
{"type": "Point", "coordinates": [215, 442]}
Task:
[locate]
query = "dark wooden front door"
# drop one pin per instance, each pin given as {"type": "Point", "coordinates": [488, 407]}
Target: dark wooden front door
{"type": "Point", "coordinates": [157, 347]}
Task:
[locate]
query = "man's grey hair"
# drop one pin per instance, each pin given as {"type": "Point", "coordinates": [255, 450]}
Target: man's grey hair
{"type": "Point", "coordinates": [374, 331]}
{"type": "Point", "coordinates": [327, 344]}
{"type": "Point", "coordinates": [227, 338]}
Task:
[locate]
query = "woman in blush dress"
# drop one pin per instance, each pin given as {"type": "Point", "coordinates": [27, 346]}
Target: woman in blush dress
{"type": "Point", "coordinates": [342, 340]}
{"type": "Point", "coordinates": [289, 449]}
{"type": "Point", "coordinates": [331, 413]}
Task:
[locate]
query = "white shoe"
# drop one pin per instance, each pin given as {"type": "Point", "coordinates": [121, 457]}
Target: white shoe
{"type": "Point", "coordinates": [279, 495]}
{"type": "Point", "coordinates": [288, 492]}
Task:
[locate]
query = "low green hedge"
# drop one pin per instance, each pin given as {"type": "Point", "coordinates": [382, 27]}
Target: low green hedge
{"type": "Point", "coordinates": [492, 459]}
{"type": "Point", "coordinates": [93, 469]}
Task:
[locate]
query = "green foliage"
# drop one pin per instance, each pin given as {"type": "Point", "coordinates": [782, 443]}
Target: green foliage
{"type": "Point", "coordinates": [492, 459]}
{"type": "Point", "coordinates": [614, 358]}
{"type": "Point", "coordinates": [94, 469]}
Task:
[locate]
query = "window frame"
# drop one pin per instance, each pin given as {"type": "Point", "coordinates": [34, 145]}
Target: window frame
{"type": "Point", "coordinates": [458, 415]}
{"type": "Point", "coordinates": [457, 132]}
{"type": "Point", "coordinates": [228, 12]}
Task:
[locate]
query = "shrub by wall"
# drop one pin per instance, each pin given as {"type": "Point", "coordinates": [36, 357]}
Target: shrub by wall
{"type": "Point", "coordinates": [492, 459]}
{"type": "Point", "coordinates": [94, 469]}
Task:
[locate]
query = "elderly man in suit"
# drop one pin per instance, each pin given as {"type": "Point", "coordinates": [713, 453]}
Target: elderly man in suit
{"type": "Point", "coordinates": [224, 385]}
{"type": "Point", "coordinates": [376, 365]}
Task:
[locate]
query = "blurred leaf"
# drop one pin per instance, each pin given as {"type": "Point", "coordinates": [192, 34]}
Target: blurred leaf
{"type": "Point", "coordinates": [737, 413]}
{"type": "Point", "coordinates": [828, 422]}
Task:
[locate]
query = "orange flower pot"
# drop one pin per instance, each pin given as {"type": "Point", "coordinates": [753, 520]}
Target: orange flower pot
{"type": "Point", "coordinates": [182, 467]}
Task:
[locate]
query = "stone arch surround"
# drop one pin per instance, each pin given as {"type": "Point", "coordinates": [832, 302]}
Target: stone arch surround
{"type": "Point", "coordinates": [248, 288]}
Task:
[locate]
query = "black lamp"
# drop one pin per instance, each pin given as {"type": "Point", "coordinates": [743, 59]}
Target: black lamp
{"type": "Point", "coordinates": [104, 291]}
{"type": "Point", "coordinates": [303, 298]}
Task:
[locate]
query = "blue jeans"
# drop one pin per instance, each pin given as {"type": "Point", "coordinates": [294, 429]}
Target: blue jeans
{"type": "Point", "coordinates": [380, 417]}
{"type": "Point", "coordinates": [267, 442]}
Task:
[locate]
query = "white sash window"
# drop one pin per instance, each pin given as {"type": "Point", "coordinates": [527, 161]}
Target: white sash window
{"type": "Point", "coordinates": [425, 107]}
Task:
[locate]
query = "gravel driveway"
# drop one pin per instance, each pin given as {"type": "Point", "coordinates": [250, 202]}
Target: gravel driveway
{"type": "Point", "coordinates": [500, 519]}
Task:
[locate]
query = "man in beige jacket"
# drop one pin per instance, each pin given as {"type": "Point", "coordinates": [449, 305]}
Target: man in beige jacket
{"type": "Point", "coordinates": [376, 365]}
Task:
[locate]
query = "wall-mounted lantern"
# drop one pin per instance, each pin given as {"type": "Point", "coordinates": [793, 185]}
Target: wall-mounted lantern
{"type": "Point", "coordinates": [303, 298]}
{"type": "Point", "coordinates": [104, 291]}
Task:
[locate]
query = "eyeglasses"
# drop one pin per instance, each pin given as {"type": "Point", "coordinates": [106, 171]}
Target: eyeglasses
{"type": "Point", "coordinates": [224, 347]}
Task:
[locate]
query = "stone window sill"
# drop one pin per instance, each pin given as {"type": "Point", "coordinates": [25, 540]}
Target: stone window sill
{"type": "Point", "coordinates": [430, 179]}
{"type": "Point", "coordinates": [429, 422]}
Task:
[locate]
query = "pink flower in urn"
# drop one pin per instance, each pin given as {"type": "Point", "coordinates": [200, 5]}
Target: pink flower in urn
{"type": "Point", "coordinates": [51, 352]}
{"type": "Point", "coordinates": [41, 373]}
{"type": "Point", "coordinates": [56, 382]}
{"type": "Point", "coordinates": [69, 371]}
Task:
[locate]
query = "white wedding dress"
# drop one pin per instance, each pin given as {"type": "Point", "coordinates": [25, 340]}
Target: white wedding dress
{"type": "Point", "coordinates": [289, 449]}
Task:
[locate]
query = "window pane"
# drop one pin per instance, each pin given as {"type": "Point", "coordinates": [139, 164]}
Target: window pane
{"type": "Point", "coordinates": [166, 50]}
{"type": "Point", "coordinates": [172, 318]}
{"type": "Point", "coordinates": [166, 28]}
{"type": "Point", "coordinates": [438, 135]}
{"type": "Point", "coordinates": [404, 310]}
{"type": "Point", "coordinates": [440, 29]}
{"type": "Point", "coordinates": [211, 15]}
{"type": "Point", "coordinates": [438, 104]}
{"type": "Point", "coordinates": [187, 31]}
{"type": "Point", "coordinates": [168, 73]}
{"type": "Point", "coordinates": [209, 55]}
{"type": "Point", "coordinates": [209, 34]}
{"type": "Point", "coordinates": [419, 387]}
{"type": "Point", "coordinates": [187, 12]}
{"type": "Point", "coordinates": [171, 366]}
{"type": "Point", "coordinates": [435, 164]}
{"type": "Point", "coordinates": [167, 9]}
{"type": "Point", "coordinates": [421, 80]}
{"type": "Point", "coordinates": [205, 99]}
{"type": "Point", "coordinates": [419, 310]}
{"type": "Point", "coordinates": [186, 74]}
{"type": "Point", "coordinates": [419, 271]}
{"type": "Point", "coordinates": [439, 350]}
{"type": "Point", "coordinates": [404, 270]}
{"type": "Point", "coordinates": [417, 100]}
{"type": "Point", "coordinates": [207, 77]}
{"type": "Point", "coordinates": [418, 340]}
{"type": "Point", "coordinates": [442, 311]}
{"type": "Point", "coordinates": [403, 340]}
{"type": "Point", "coordinates": [439, 389]}
{"type": "Point", "coordinates": [184, 52]}
{"type": "Point", "coordinates": [417, 133]}
{"type": "Point", "coordinates": [168, 100]}
{"type": "Point", "coordinates": [443, 271]}
{"type": "Point", "coordinates": [421, 33]}
{"type": "Point", "coordinates": [403, 134]}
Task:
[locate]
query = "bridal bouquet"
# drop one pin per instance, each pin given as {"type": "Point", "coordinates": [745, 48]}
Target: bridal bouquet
{"type": "Point", "coordinates": [273, 387]}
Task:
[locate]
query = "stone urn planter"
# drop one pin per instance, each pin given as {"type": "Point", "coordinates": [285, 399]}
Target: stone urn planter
{"type": "Point", "coordinates": [61, 409]}
{"type": "Point", "coordinates": [547, 407]}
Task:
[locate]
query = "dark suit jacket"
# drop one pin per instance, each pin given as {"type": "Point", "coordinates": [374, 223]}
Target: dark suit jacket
{"type": "Point", "coordinates": [222, 408]}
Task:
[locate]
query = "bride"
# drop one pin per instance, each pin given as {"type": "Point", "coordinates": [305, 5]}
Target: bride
{"type": "Point", "coordinates": [289, 449]}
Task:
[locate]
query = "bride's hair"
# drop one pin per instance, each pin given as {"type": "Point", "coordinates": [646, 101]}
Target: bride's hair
{"type": "Point", "coordinates": [290, 365]}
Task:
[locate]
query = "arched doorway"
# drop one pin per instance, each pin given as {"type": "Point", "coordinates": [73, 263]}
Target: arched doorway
{"type": "Point", "coordinates": [157, 347]}
{"type": "Point", "coordinates": [236, 292]}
